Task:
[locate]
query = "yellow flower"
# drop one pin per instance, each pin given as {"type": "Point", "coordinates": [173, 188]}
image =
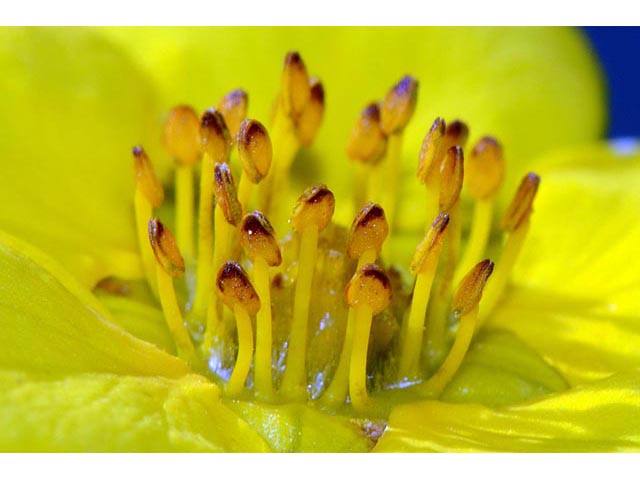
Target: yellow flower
{"type": "Point", "coordinates": [84, 369]}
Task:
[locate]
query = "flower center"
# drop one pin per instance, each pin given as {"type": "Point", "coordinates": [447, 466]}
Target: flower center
{"type": "Point", "coordinates": [319, 315]}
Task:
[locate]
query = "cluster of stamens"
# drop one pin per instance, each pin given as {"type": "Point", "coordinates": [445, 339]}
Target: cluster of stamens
{"type": "Point", "coordinates": [436, 322]}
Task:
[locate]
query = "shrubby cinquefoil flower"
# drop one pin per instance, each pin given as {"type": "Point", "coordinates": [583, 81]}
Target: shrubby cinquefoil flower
{"type": "Point", "coordinates": [425, 326]}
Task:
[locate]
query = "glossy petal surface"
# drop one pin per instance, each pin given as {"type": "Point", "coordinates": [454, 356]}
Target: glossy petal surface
{"type": "Point", "coordinates": [604, 416]}
{"type": "Point", "coordinates": [576, 287]}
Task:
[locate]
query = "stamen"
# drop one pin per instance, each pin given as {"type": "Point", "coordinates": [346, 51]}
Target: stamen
{"type": "Point", "coordinates": [395, 112]}
{"type": "Point", "coordinates": [227, 217]}
{"type": "Point", "coordinates": [149, 194]}
{"type": "Point", "coordinates": [295, 87]}
{"type": "Point", "coordinates": [182, 141]}
{"type": "Point", "coordinates": [254, 148]}
{"type": "Point", "coordinates": [170, 265]}
{"type": "Point", "coordinates": [367, 146]}
{"type": "Point", "coordinates": [515, 223]}
{"type": "Point", "coordinates": [368, 233]}
{"type": "Point", "coordinates": [456, 135]}
{"type": "Point", "coordinates": [368, 293]}
{"type": "Point", "coordinates": [233, 107]}
{"type": "Point", "coordinates": [312, 213]}
{"type": "Point", "coordinates": [429, 163]}
{"type": "Point", "coordinates": [294, 96]}
{"type": "Point", "coordinates": [451, 177]}
{"type": "Point", "coordinates": [465, 306]}
{"type": "Point", "coordinates": [424, 264]}
{"type": "Point", "coordinates": [398, 105]}
{"type": "Point", "coordinates": [261, 246]}
{"type": "Point", "coordinates": [237, 293]}
{"type": "Point", "coordinates": [311, 117]}
{"type": "Point", "coordinates": [215, 145]}
{"type": "Point", "coordinates": [484, 171]}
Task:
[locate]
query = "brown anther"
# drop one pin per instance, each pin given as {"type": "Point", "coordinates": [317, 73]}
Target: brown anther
{"type": "Point", "coordinates": [259, 240]}
{"type": "Point", "coordinates": [398, 105]}
{"type": "Point", "coordinates": [484, 168]}
{"type": "Point", "coordinates": [182, 135]}
{"type": "Point", "coordinates": [521, 205]}
{"type": "Point", "coordinates": [451, 176]}
{"type": "Point", "coordinates": [431, 151]}
{"type": "Point", "coordinates": [226, 194]}
{"type": "Point", "coordinates": [369, 286]}
{"type": "Point", "coordinates": [165, 249]}
{"type": "Point", "coordinates": [314, 207]}
{"type": "Point", "coordinates": [469, 292]}
{"type": "Point", "coordinates": [146, 179]}
{"type": "Point", "coordinates": [367, 142]}
{"type": "Point", "coordinates": [368, 231]}
{"type": "Point", "coordinates": [428, 249]}
{"type": "Point", "coordinates": [215, 137]}
{"type": "Point", "coordinates": [295, 90]}
{"type": "Point", "coordinates": [254, 147]}
{"type": "Point", "coordinates": [457, 134]}
{"type": "Point", "coordinates": [233, 107]}
{"type": "Point", "coordinates": [311, 118]}
{"type": "Point", "coordinates": [234, 288]}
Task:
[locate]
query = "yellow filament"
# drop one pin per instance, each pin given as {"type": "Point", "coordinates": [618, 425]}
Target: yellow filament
{"type": "Point", "coordinates": [262, 370]}
{"type": "Point", "coordinates": [432, 185]}
{"type": "Point", "coordinates": [337, 391]}
{"type": "Point", "coordinates": [285, 146]}
{"type": "Point", "coordinates": [294, 379]}
{"type": "Point", "coordinates": [500, 276]}
{"type": "Point", "coordinates": [223, 232]}
{"type": "Point", "coordinates": [245, 189]}
{"type": "Point", "coordinates": [437, 324]}
{"type": "Point", "coordinates": [235, 385]}
{"type": "Point", "coordinates": [478, 237]}
{"type": "Point", "coordinates": [358, 365]}
{"type": "Point", "coordinates": [172, 314]}
{"type": "Point", "coordinates": [438, 382]}
{"type": "Point", "coordinates": [144, 212]}
{"type": "Point", "coordinates": [392, 167]}
{"type": "Point", "coordinates": [414, 330]}
{"type": "Point", "coordinates": [205, 237]}
{"type": "Point", "coordinates": [184, 210]}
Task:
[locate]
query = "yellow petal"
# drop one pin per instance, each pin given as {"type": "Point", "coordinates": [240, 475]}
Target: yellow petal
{"type": "Point", "coordinates": [141, 320]}
{"type": "Point", "coordinates": [297, 428]}
{"type": "Point", "coordinates": [500, 370]}
{"type": "Point", "coordinates": [110, 413]}
{"type": "Point", "coordinates": [604, 416]}
{"type": "Point", "coordinates": [51, 324]}
{"type": "Point", "coordinates": [576, 293]}
{"type": "Point", "coordinates": [73, 106]}
{"type": "Point", "coordinates": [508, 82]}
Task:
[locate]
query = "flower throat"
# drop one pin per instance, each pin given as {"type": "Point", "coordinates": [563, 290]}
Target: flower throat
{"type": "Point", "coordinates": [319, 315]}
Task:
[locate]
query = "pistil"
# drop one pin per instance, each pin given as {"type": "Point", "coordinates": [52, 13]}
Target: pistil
{"type": "Point", "coordinates": [312, 213]}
